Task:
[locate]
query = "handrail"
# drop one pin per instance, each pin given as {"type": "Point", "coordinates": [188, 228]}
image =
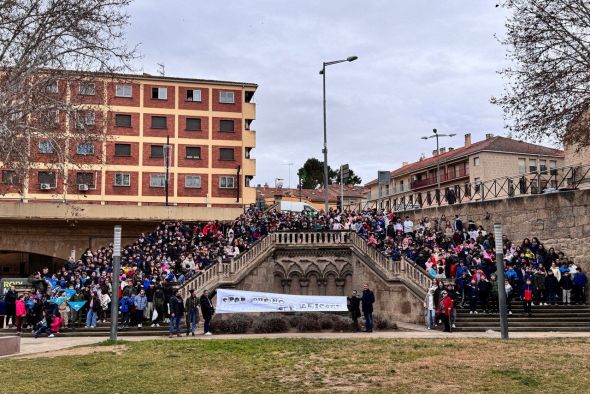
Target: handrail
{"type": "Point", "coordinates": [403, 269]}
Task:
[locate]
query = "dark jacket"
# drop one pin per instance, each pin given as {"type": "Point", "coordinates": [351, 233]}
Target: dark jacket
{"type": "Point", "coordinates": [192, 304]}
{"type": "Point", "coordinates": [10, 298]}
{"type": "Point", "coordinates": [551, 283]}
{"type": "Point", "coordinates": [367, 301]}
{"type": "Point", "coordinates": [176, 306]}
{"type": "Point", "coordinates": [354, 307]}
{"type": "Point", "coordinates": [206, 307]}
{"type": "Point", "coordinates": [566, 282]}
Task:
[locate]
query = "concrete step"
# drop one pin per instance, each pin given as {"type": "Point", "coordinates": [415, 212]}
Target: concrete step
{"type": "Point", "coordinates": [524, 324]}
{"type": "Point", "coordinates": [523, 329]}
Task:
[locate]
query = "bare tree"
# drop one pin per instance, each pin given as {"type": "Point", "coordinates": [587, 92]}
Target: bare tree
{"type": "Point", "coordinates": [547, 94]}
{"type": "Point", "coordinates": [48, 50]}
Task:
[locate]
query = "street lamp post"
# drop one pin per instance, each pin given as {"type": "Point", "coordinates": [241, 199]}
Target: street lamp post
{"type": "Point", "coordinates": [325, 150]}
{"type": "Point", "coordinates": [437, 136]}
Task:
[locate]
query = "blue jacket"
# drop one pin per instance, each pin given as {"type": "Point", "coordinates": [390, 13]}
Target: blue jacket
{"type": "Point", "coordinates": [126, 303]}
{"type": "Point", "coordinates": [580, 279]}
{"type": "Point", "coordinates": [140, 301]}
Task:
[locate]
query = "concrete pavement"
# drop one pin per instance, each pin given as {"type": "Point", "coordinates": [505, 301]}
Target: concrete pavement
{"type": "Point", "coordinates": [407, 331]}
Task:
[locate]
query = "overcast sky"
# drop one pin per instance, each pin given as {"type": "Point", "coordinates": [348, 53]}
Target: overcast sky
{"type": "Point", "coordinates": [422, 64]}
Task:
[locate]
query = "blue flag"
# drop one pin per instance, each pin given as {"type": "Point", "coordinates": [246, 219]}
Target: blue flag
{"type": "Point", "coordinates": [70, 292]}
{"type": "Point", "coordinates": [76, 305]}
{"type": "Point", "coordinates": [58, 300]}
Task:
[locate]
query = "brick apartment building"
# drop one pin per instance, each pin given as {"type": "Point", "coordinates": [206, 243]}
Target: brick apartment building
{"type": "Point", "coordinates": [462, 169]}
{"type": "Point", "coordinates": [207, 124]}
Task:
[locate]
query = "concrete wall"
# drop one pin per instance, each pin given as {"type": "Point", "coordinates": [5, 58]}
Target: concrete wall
{"type": "Point", "coordinates": [559, 220]}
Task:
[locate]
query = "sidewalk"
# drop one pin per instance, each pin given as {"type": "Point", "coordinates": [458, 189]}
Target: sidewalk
{"type": "Point", "coordinates": [408, 331]}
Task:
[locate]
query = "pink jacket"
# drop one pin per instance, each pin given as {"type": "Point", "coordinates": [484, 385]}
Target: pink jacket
{"type": "Point", "coordinates": [20, 308]}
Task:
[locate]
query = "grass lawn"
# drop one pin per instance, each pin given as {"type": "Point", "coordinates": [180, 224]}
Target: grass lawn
{"type": "Point", "coordinates": [302, 365]}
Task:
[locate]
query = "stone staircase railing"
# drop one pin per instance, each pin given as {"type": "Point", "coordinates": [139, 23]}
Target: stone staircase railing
{"type": "Point", "coordinates": [404, 270]}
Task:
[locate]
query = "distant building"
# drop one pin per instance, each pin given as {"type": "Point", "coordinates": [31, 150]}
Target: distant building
{"type": "Point", "coordinates": [208, 124]}
{"type": "Point", "coordinates": [462, 170]}
{"type": "Point", "coordinates": [353, 196]}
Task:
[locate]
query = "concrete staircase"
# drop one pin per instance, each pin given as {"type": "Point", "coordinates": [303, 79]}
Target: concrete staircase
{"type": "Point", "coordinates": [544, 319]}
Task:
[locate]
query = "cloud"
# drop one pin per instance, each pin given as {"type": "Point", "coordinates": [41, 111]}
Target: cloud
{"type": "Point", "coordinates": [422, 65]}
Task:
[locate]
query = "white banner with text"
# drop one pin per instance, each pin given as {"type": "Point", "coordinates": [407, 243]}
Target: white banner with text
{"type": "Point", "coordinates": [239, 301]}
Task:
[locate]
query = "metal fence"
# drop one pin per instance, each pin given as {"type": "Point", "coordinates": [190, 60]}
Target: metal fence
{"type": "Point", "coordinates": [540, 182]}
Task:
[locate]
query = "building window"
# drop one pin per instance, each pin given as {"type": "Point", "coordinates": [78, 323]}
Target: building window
{"type": "Point", "coordinates": [85, 118]}
{"type": "Point", "coordinates": [543, 166]}
{"type": "Point", "coordinates": [226, 154]}
{"type": "Point", "coordinates": [85, 178]}
{"type": "Point", "coordinates": [8, 177]}
{"type": "Point", "coordinates": [532, 165]}
{"type": "Point", "coordinates": [521, 166]}
{"type": "Point", "coordinates": [477, 185]}
{"type": "Point", "coordinates": [226, 97]}
{"type": "Point", "coordinates": [193, 95]}
{"type": "Point", "coordinates": [227, 182]}
{"type": "Point", "coordinates": [123, 150]}
{"type": "Point", "coordinates": [46, 147]}
{"type": "Point", "coordinates": [85, 148]}
{"type": "Point", "coordinates": [160, 93]}
{"type": "Point", "coordinates": [192, 182]}
{"type": "Point", "coordinates": [122, 120]}
{"type": "Point", "coordinates": [226, 125]}
{"type": "Point", "coordinates": [193, 124]}
{"type": "Point", "coordinates": [52, 87]}
{"type": "Point", "coordinates": [157, 180]}
{"type": "Point", "coordinates": [122, 179]}
{"type": "Point", "coordinates": [158, 122]}
{"type": "Point", "coordinates": [476, 161]}
{"type": "Point", "coordinates": [47, 178]}
{"type": "Point", "coordinates": [193, 152]}
{"type": "Point", "coordinates": [553, 167]}
{"type": "Point", "coordinates": [52, 117]}
{"type": "Point", "coordinates": [123, 91]}
{"type": "Point", "coordinates": [157, 151]}
{"type": "Point", "coordinates": [87, 88]}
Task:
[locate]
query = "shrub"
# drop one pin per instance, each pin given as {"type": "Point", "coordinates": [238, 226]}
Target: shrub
{"type": "Point", "coordinates": [326, 322]}
{"type": "Point", "coordinates": [233, 324]}
{"type": "Point", "coordinates": [294, 320]}
{"type": "Point", "coordinates": [308, 324]}
{"type": "Point", "coordinates": [383, 323]}
{"type": "Point", "coordinates": [342, 324]}
{"type": "Point", "coordinates": [270, 324]}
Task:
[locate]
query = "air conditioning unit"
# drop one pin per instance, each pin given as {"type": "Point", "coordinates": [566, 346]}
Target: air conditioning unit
{"type": "Point", "coordinates": [45, 186]}
{"type": "Point", "coordinates": [83, 187]}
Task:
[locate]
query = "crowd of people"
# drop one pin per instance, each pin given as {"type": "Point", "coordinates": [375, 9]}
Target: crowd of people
{"type": "Point", "coordinates": [459, 256]}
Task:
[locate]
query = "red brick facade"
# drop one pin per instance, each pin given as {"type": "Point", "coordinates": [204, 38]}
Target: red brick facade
{"type": "Point", "coordinates": [218, 163]}
{"type": "Point", "coordinates": [112, 190]}
{"type": "Point", "coordinates": [132, 101]}
{"type": "Point", "coordinates": [217, 191]}
{"type": "Point", "coordinates": [148, 131]}
{"type": "Point", "coordinates": [148, 101]}
{"type": "Point", "coordinates": [235, 135]}
{"type": "Point", "coordinates": [202, 105]}
{"type": "Point", "coordinates": [200, 134]}
{"type": "Point", "coordinates": [203, 162]}
{"type": "Point", "coordinates": [113, 129]}
{"type": "Point", "coordinates": [221, 107]}
{"type": "Point", "coordinates": [132, 159]}
{"type": "Point", "coordinates": [148, 190]}
{"type": "Point", "coordinates": [192, 192]}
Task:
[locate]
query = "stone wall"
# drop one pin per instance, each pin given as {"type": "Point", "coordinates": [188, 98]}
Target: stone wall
{"type": "Point", "coordinates": [322, 271]}
{"type": "Point", "coordinates": [559, 220]}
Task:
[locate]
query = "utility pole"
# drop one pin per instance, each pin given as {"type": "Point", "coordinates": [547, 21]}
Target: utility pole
{"type": "Point", "coordinates": [288, 164]}
{"type": "Point", "coordinates": [115, 274]}
{"type": "Point", "coordinates": [501, 279]}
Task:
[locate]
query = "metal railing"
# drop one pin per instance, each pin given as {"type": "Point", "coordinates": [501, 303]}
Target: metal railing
{"type": "Point", "coordinates": [534, 183]}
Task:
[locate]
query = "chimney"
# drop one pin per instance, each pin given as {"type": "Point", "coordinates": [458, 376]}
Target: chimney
{"type": "Point", "coordinates": [442, 150]}
{"type": "Point", "coordinates": [468, 139]}
{"type": "Point", "coordinates": [434, 153]}
{"type": "Point", "coordinates": [451, 149]}
{"type": "Point", "coordinates": [405, 163]}
{"type": "Point", "coordinates": [488, 136]}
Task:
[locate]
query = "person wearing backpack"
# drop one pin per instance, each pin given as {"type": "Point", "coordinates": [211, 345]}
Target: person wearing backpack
{"type": "Point", "coordinates": [126, 303]}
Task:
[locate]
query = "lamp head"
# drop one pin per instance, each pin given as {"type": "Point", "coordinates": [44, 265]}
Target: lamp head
{"type": "Point", "coordinates": [424, 138]}
{"type": "Point", "coordinates": [434, 131]}
{"type": "Point", "coordinates": [352, 58]}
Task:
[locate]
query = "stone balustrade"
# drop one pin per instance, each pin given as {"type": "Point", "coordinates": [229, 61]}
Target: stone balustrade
{"type": "Point", "coordinates": [404, 269]}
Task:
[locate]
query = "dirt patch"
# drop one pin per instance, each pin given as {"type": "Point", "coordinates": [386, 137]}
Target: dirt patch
{"type": "Point", "coordinates": [76, 351]}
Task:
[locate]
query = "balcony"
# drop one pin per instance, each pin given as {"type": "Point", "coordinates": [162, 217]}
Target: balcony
{"type": "Point", "coordinates": [431, 181]}
{"type": "Point", "coordinates": [249, 110]}
{"type": "Point", "coordinates": [249, 167]}
{"type": "Point", "coordinates": [249, 139]}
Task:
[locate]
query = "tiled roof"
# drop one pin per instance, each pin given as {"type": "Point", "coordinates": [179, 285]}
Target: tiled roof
{"type": "Point", "coordinates": [496, 144]}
